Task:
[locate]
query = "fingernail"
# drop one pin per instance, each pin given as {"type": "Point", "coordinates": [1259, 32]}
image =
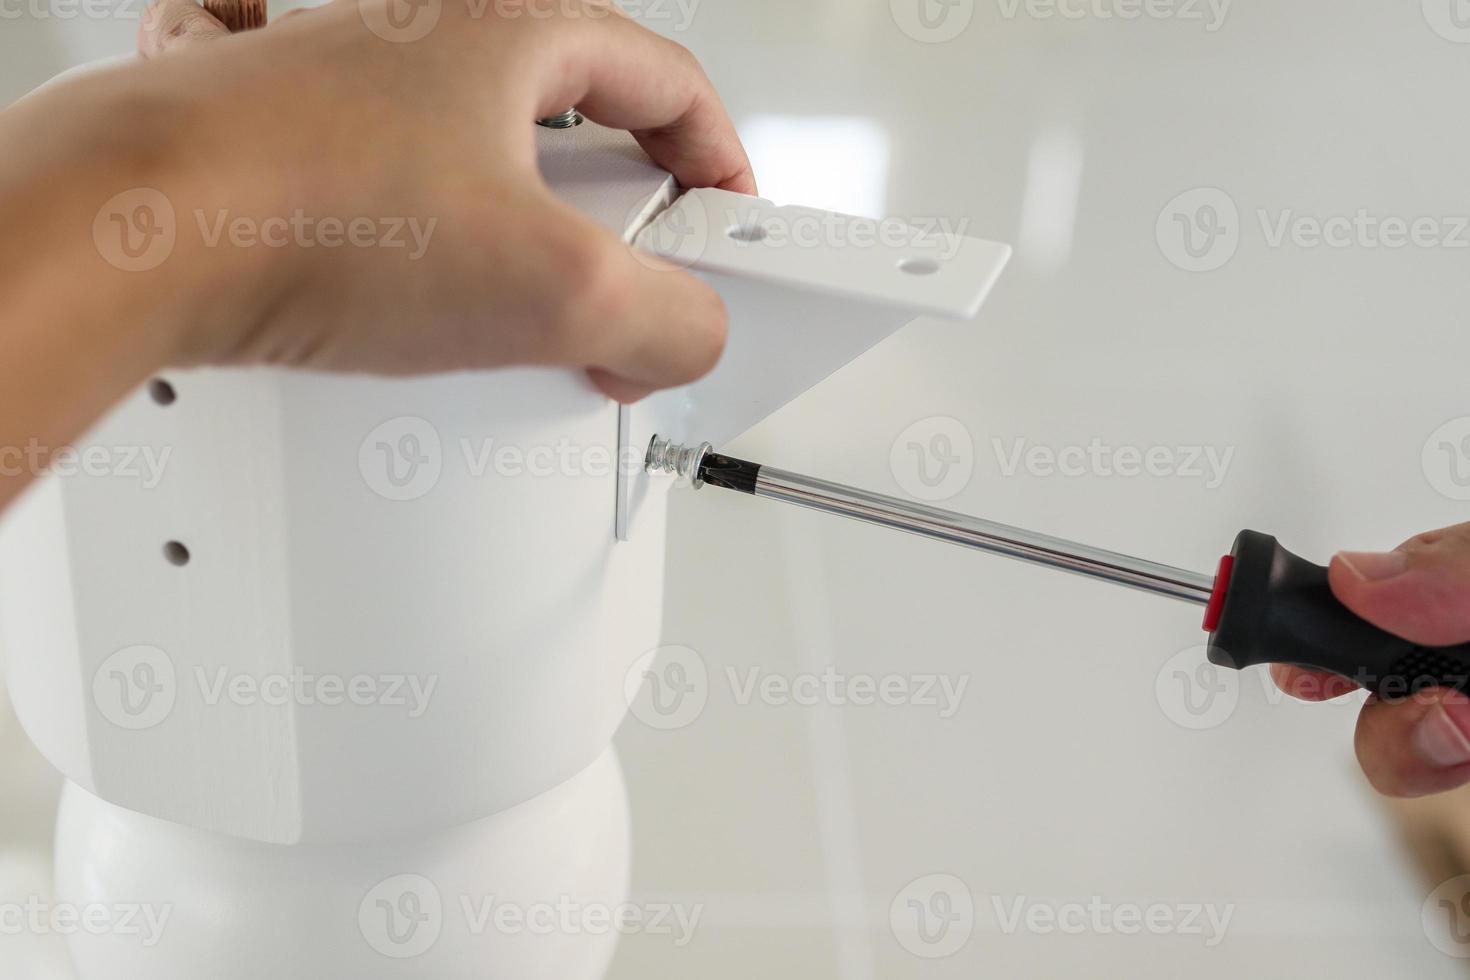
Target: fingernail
{"type": "Point", "coordinates": [1374, 566]}
{"type": "Point", "coordinates": [1439, 740]}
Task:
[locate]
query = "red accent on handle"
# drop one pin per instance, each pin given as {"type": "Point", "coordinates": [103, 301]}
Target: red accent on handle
{"type": "Point", "coordinates": [1217, 597]}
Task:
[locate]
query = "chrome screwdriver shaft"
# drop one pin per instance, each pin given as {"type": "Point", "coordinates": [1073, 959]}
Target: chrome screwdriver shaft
{"type": "Point", "coordinates": [700, 465]}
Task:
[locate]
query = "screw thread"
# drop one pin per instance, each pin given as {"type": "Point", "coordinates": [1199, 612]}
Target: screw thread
{"type": "Point", "coordinates": [562, 120]}
{"type": "Point", "coordinates": [675, 459]}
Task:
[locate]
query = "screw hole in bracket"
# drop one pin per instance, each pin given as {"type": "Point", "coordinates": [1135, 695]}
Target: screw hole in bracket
{"type": "Point", "coordinates": [162, 392]}
{"type": "Point", "coordinates": [918, 267]}
{"type": "Point", "coordinates": [746, 233]}
{"type": "Point", "coordinates": [176, 553]}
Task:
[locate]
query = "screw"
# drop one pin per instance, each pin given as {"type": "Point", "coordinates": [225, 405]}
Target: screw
{"type": "Point", "coordinates": [682, 462]}
{"type": "Point", "coordinates": [562, 120]}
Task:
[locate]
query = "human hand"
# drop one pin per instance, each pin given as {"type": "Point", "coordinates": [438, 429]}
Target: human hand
{"type": "Point", "coordinates": [1420, 591]}
{"type": "Point", "coordinates": [318, 113]}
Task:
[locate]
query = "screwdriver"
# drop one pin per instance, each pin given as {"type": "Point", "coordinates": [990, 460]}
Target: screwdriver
{"type": "Point", "coordinates": [1263, 604]}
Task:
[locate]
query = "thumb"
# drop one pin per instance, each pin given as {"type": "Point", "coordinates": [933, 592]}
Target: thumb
{"type": "Point", "coordinates": [1416, 746]}
{"type": "Point", "coordinates": [1420, 591]}
{"type": "Point", "coordinates": [638, 324]}
{"type": "Point", "coordinates": [672, 333]}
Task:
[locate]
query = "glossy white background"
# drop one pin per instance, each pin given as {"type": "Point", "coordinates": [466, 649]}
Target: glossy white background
{"type": "Point", "coordinates": [1065, 774]}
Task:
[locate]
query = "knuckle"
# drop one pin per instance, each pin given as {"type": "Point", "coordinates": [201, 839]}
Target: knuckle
{"type": "Point", "coordinates": [549, 18]}
{"type": "Point", "coordinates": [167, 22]}
{"type": "Point", "coordinates": [1459, 537]}
{"type": "Point", "coordinates": [687, 64]}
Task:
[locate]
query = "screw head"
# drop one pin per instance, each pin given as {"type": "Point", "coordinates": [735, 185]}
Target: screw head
{"type": "Point", "coordinates": [679, 461]}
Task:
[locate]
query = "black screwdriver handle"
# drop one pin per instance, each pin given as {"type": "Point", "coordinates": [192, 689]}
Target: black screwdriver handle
{"type": "Point", "coordinates": [1278, 608]}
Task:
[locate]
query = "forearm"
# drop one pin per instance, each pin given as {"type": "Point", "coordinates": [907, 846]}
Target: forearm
{"type": "Point", "coordinates": [93, 297]}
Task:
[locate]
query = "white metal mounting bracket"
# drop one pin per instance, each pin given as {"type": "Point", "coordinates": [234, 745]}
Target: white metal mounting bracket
{"type": "Point", "coordinates": [806, 290]}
